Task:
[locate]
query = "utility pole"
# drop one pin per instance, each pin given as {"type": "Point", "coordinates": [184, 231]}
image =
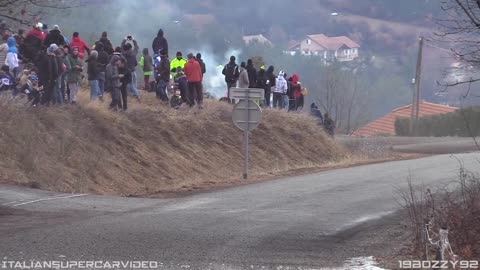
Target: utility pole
{"type": "Point", "coordinates": [416, 95]}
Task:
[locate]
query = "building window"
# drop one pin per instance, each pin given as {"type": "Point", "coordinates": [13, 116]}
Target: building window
{"type": "Point", "coordinates": [308, 41]}
{"type": "Point", "coordinates": [354, 51]}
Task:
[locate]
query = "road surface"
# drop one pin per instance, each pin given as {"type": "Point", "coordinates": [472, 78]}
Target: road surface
{"type": "Point", "coordinates": [295, 222]}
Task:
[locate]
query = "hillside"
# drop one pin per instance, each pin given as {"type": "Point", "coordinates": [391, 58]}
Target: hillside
{"type": "Point", "coordinates": [151, 149]}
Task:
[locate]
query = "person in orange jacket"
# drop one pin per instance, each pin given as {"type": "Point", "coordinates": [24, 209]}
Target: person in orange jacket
{"type": "Point", "coordinates": [193, 71]}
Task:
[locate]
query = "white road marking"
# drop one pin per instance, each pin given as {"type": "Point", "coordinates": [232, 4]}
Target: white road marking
{"type": "Point", "coordinates": [51, 198]}
{"type": "Point", "coordinates": [189, 204]}
{"type": "Point", "coordinates": [12, 202]}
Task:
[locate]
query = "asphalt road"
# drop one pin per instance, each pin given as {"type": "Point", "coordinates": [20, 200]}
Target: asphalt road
{"type": "Point", "coordinates": [298, 222]}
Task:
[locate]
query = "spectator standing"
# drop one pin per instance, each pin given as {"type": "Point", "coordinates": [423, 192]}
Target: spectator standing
{"type": "Point", "coordinates": [163, 76]}
{"type": "Point", "coordinates": [107, 45]}
{"type": "Point", "coordinates": [58, 96]}
{"type": "Point", "coordinates": [160, 43]}
{"type": "Point", "coordinates": [270, 83]}
{"type": "Point", "coordinates": [146, 63]}
{"type": "Point", "coordinates": [75, 75]}
{"type": "Point", "coordinates": [202, 64]}
{"type": "Point", "coordinates": [130, 54]}
{"type": "Point", "coordinates": [243, 80]}
{"type": "Point", "coordinates": [114, 81]}
{"type": "Point", "coordinates": [93, 74]}
{"type": "Point", "coordinates": [252, 74]}
{"type": "Point", "coordinates": [54, 36]}
{"type": "Point", "coordinates": [193, 72]}
{"type": "Point", "coordinates": [329, 125]}
{"type": "Point", "coordinates": [231, 72]}
{"type": "Point", "coordinates": [12, 57]}
{"type": "Point", "coordinates": [280, 89]}
{"type": "Point", "coordinates": [102, 62]}
{"type": "Point", "coordinates": [50, 64]}
{"type": "Point", "coordinates": [33, 43]}
{"type": "Point", "coordinates": [80, 44]}
{"type": "Point", "coordinates": [178, 62]}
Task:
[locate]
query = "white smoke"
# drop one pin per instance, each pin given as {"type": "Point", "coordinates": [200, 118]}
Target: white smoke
{"type": "Point", "coordinates": [214, 80]}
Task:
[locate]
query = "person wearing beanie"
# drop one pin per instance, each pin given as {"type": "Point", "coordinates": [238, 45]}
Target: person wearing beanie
{"type": "Point", "coordinates": [162, 76]}
{"type": "Point", "coordinates": [146, 63]}
{"type": "Point", "coordinates": [193, 72]}
{"type": "Point", "coordinates": [80, 44]}
{"type": "Point", "coordinates": [231, 73]}
{"type": "Point", "coordinates": [130, 54]}
{"type": "Point", "coordinates": [75, 75]}
{"type": "Point", "coordinates": [50, 73]}
{"type": "Point", "coordinates": [93, 73]}
{"type": "Point", "coordinates": [252, 74]}
{"type": "Point", "coordinates": [54, 36]}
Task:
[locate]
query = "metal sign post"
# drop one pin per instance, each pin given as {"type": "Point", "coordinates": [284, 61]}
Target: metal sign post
{"type": "Point", "coordinates": [247, 115]}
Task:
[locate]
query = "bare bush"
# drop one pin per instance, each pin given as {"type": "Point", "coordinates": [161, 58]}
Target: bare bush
{"type": "Point", "coordinates": [453, 208]}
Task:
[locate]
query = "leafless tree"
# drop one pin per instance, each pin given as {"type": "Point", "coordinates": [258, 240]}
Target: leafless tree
{"type": "Point", "coordinates": [460, 29]}
{"type": "Point", "coordinates": [27, 12]}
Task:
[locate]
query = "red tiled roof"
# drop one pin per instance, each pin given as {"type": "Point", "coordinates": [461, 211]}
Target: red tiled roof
{"type": "Point", "coordinates": [386, 124]}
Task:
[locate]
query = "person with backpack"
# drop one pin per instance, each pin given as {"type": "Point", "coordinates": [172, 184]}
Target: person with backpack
{"type": "Point", "coordinates": [54, 36]}
{"type": "Point", "coordinates": [279, 90]}
{"type": "Point", "coordinates": [231, 72]}
{"type": "Point", "coordinates": [75, 75]}
{"type": "Point", "coordinates": [146, 63]}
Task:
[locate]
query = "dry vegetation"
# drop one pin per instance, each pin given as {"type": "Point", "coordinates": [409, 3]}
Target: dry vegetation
{"type": "Point", "coordinates": [150, 149]}
{"type": "Point", "coordinates": [455, 206]}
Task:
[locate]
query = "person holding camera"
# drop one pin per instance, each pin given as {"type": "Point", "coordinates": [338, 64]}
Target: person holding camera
{"type": "Point", "coordinates": [75, 75]}
{"type": "Point", "coordinates": [130, 53]}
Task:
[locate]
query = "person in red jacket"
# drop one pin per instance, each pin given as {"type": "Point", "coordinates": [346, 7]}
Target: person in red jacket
{"type": "Point", "coordinates": [80, 44]}
{"type": "Point", "coordinates": [193, 72]}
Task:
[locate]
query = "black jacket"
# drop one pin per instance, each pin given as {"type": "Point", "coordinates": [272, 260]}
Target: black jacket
{"type": "Point", "coordinates": [107, 45]}
{"type": "Point", "coordinates": [160, 42]}
{"type": "Point", "coordinates": [252, 76]}
{"type": "Point", "coordinates": [92, 69]}
{"type": "Point", "coordinates": [231, 72]}
{"type": "Point", "coordinates": [48, 72]}
{"type": "Point", "coordinates": [102, 59]}
{"type": "Point", "coordinates": [271, 78]}
{"type": "Point", "coordinates": [202, 65]}
{"type": "Point", "coordinates": [54, 36]}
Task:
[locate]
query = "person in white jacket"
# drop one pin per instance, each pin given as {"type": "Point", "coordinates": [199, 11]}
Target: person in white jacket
{"type": "Point", "coordinates": [279, 90]}
{"type": "Point", "coordinates": [12, 57]}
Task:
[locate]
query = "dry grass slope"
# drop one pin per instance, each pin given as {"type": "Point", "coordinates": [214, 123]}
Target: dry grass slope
{"type": "Point", "coordinates": [151, 149]}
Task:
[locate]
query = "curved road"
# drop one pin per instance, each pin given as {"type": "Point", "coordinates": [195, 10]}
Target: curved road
{"type": "Point", "coordinates": [275, 224]}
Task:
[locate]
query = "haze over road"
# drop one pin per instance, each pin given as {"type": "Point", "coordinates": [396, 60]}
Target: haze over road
{"type": "Point", "coordinates": [284, 222]}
